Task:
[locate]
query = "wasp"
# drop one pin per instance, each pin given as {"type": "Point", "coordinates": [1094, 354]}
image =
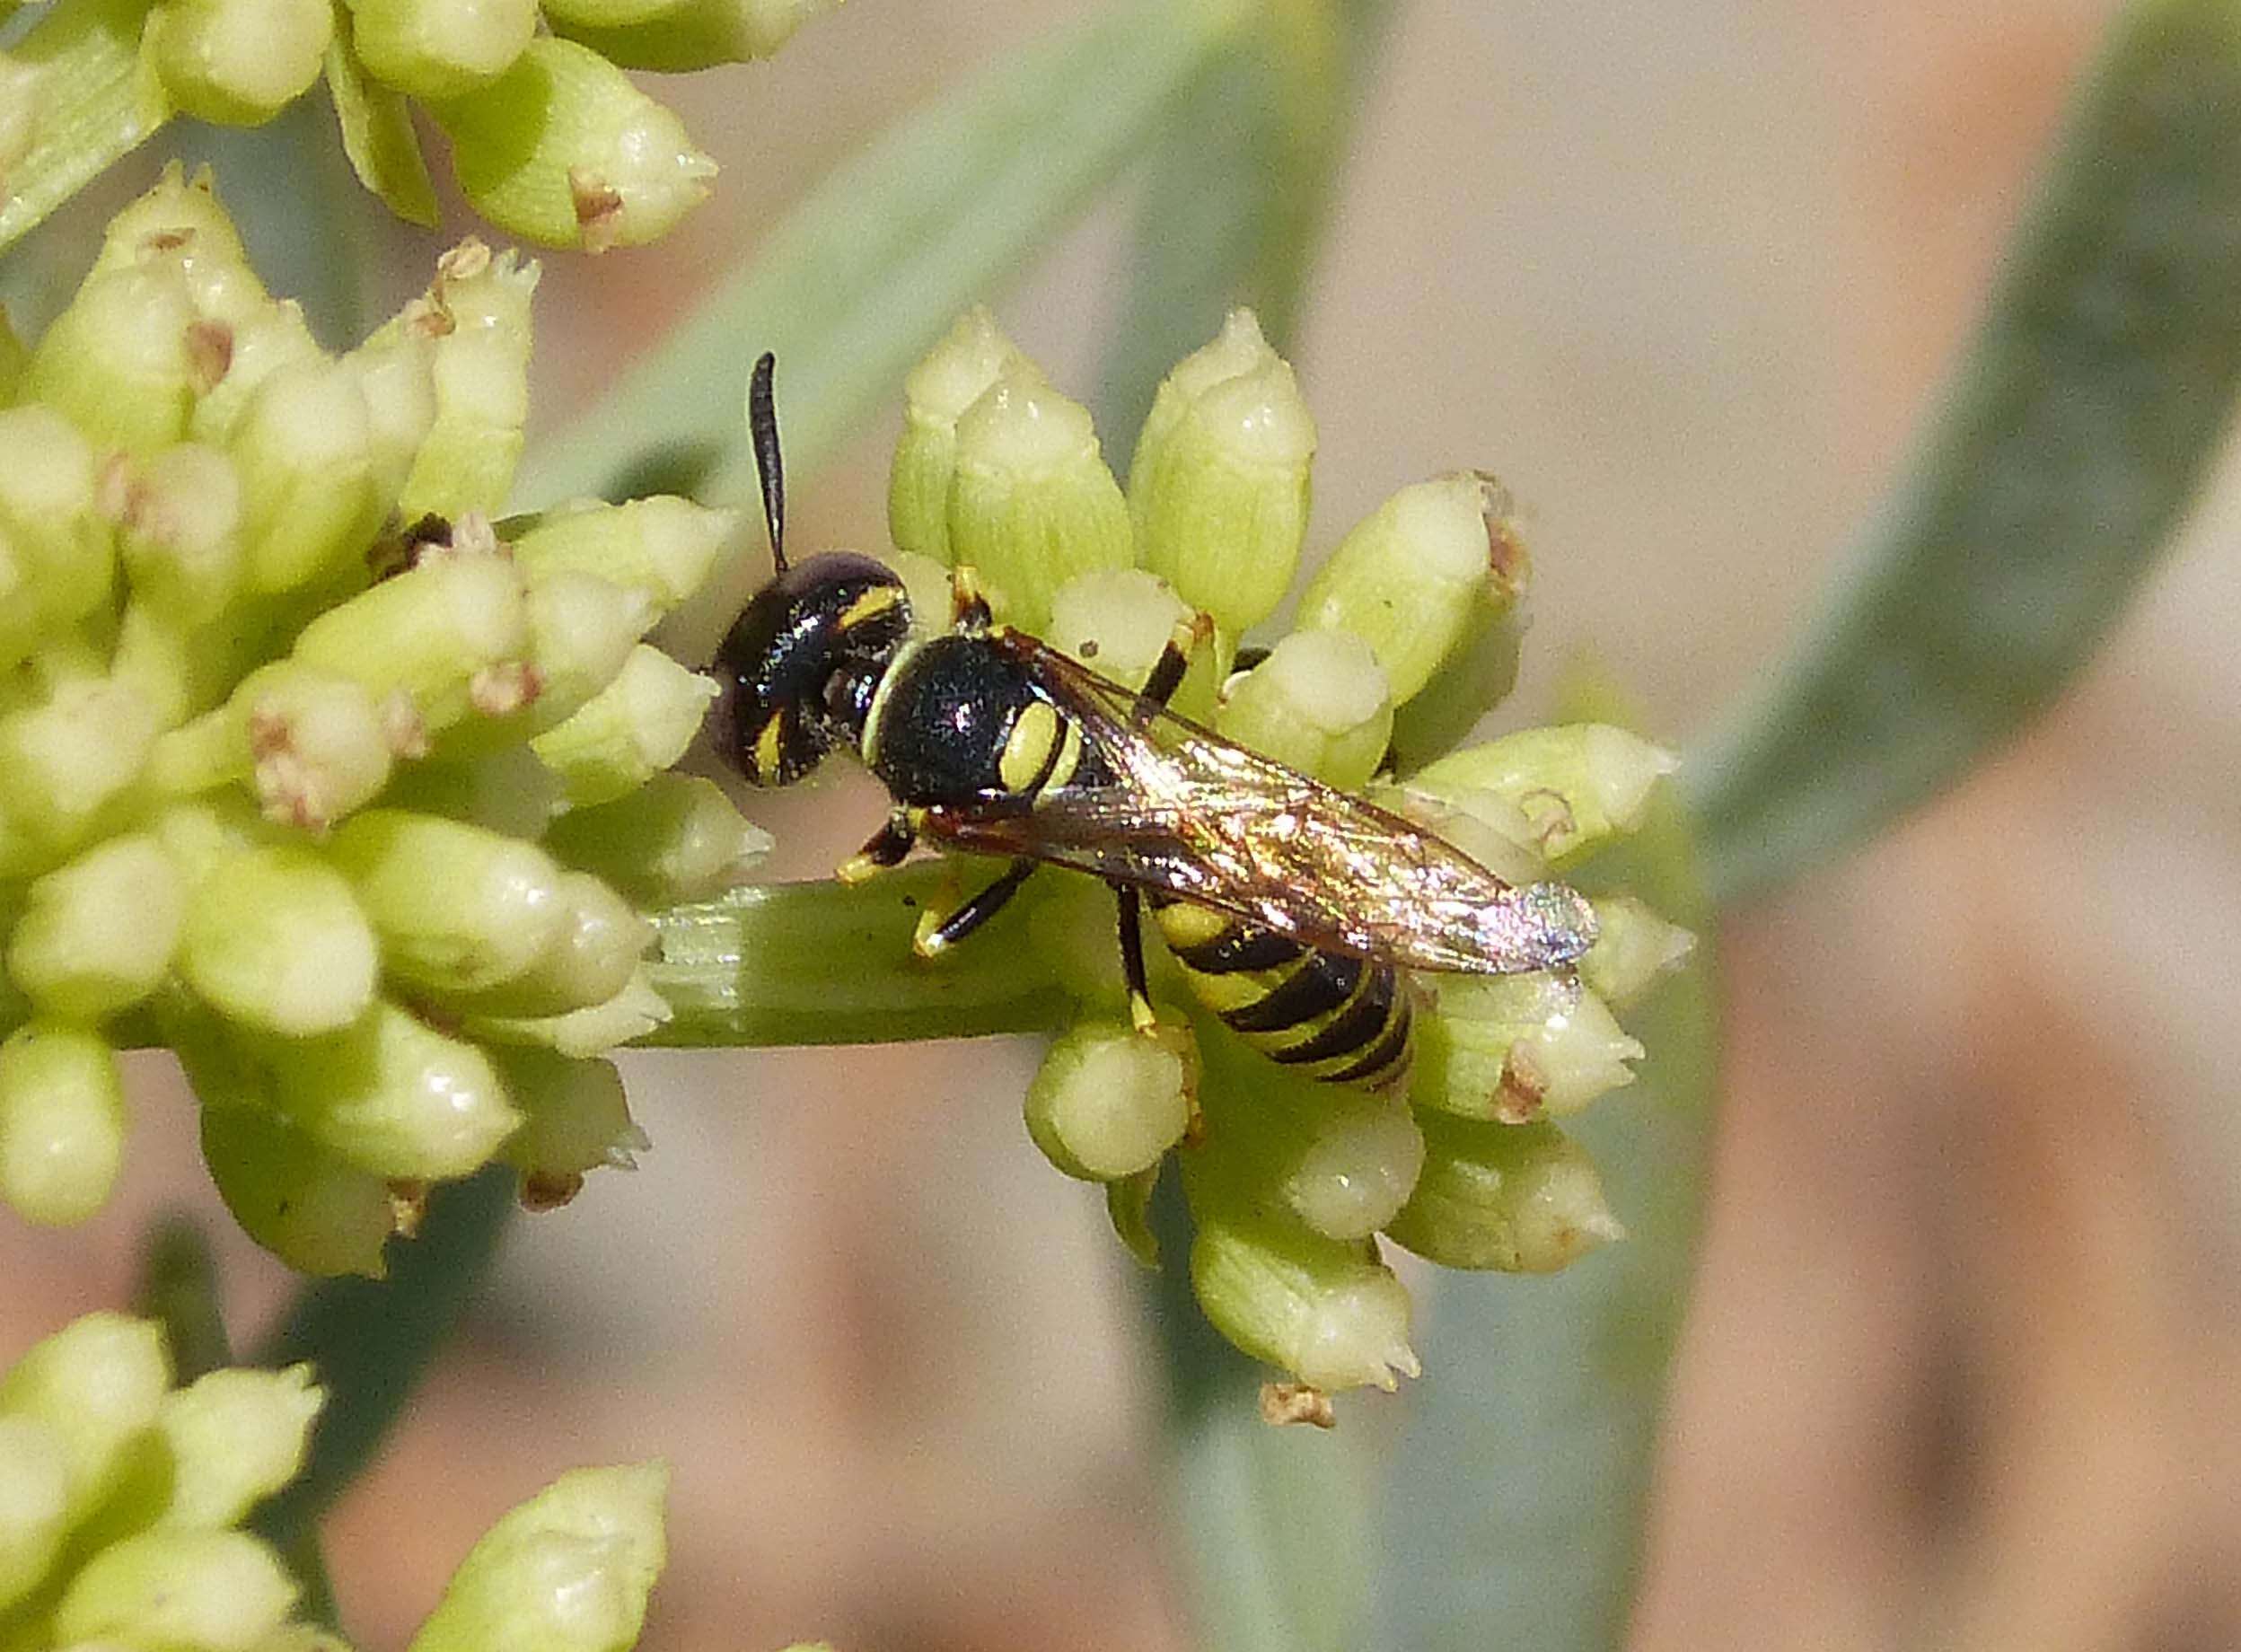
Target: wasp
{"type": "Point", "coordinates": [1294, 909]}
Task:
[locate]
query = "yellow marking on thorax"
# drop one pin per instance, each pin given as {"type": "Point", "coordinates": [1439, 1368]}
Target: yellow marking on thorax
{"type": "Point", "coordinates": [878, 707]}
{"type": "Point", "coordinates": [1028, 749]}
{"type": "Point", "coordinates": [873, 602]}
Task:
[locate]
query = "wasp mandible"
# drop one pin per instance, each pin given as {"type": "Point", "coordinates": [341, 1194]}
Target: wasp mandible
{"type": "Point", "coordinates": [1294, 909]}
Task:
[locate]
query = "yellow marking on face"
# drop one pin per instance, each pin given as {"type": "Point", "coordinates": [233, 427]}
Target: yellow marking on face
{"type": "Point", "coordinates": [1029, 746]}
{"type": "Point", "coordinates": [873, 602]}
{"type": "Point", "coordinates": [767, 747]}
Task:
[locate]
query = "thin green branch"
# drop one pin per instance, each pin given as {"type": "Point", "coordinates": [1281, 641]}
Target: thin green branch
{"type": "Point", "coordinates": [99, 100]}
{"type": "Point", "coordinates": [2096, 393]}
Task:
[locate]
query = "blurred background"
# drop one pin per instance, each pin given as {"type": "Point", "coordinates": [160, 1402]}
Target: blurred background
{"type": "Point", "coordinates": [1963, 1365]}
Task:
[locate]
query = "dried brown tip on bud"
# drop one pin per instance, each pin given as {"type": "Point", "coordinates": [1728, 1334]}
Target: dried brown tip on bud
{"type": "Point", "coordinates": [209, 355]}
{"type": "Point", "coordinates": [502, 689]}
{"type": "Point", "coordinates": [403, 727]}
{"type": "Point", "coordinates": [463, 262]}
{"type": "Point", "coordinates": [1283, 1404]}
{"type": "Point", "coordinates": [408, 1208]}
{"type": "Point", "coordinates": [549, 1193]}
{"type": "Point", "coordinates": [598, 209]}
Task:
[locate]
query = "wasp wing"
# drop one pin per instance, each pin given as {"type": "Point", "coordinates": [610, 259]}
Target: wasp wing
{"type": "Point", "coordinates": [1191, 814]}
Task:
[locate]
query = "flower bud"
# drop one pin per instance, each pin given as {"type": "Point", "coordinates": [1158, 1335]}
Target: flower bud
{"type": "Point", "coordinates": [591, 958]}
{"type": "Point", "coordinates": [311, 745]}
{"type": "Point", "coordinates": [1318, 704]}
{"type": "Point", "coordinates": [1326, 1310]}
{"type": "Point", "coordinates": [95, 1385]}
{"type": "Point", "coordinates": [676, 837]}
{"type": "Point", "coordinates": [96, 935]}
{"type": "Point", "coordinates": [477, 315]}
{"type": "Point", "coordinates": [563, 150]}
{"type": "Point", "coordinates": [578, 1121]}
{"type": "Point", "coordinates": [1031, 505]}
{"type": "Point", "coordinates": [1129, 1210]}
{"type": "Point", "coordinates": [268, 337]}
{"type": "Point", "coordinates": [1578, 783]}
{"type": "Point", "coordinates": [34, 1505]}
{"type": "Point", "coordinates": [1490, 829]}
{"type": "Point", "coordinates": [674, 36]}
{"type": "Point", "coordinates": [1108, 1101]}
{"type": "Point", "coordinates": [1226, 510]}
{"type": "Point", "coordinates": [506, 791]}
{"type": "Point", "coordinates": [1515, 1047]}
{"type": "Point", "coordinates": [314, 1211]}
{"type": "Point", "coordinates": [955, 373]}
{"type": "Point", "coordinates": [222, 1591]}
{"type": "Point", "coordinates": [1411, 579]}
{"type": "Point", "coordinates": [440, 49]}
{"type": "Point", "coordinates": [62, 1123]}
{"type": "Point", "coordinates": [237, 62]}
{"type": "Point", "coordinates": [458, 909]}
{"type": "Point", "coordinates": [582, 630]}
{"type": "Point", "coordinates": [51, 524]}
{"type": "Point", "coordinates": [125, 359]}
{"type": "Point", "coordinates": [180, 532]}
{"type": "Point", "coordinates": [275, 940]}
{"type": "Point", "coordinates": [636, 727]}
{"type": "Point", "coordinates": [305, 449]}
{"type": "Point", "coordinates": [236, 1436]}
{"type": "Point", "coordinates": [431, 631]}
{"type": "Point", "coordinates": [1519, 1198]}
{"type": "Point", "coordinates": [664, 549]}
{"type": "Point", "coordinates": [1340, 1160]}
{"type": "Point", "coordinates": [1634, 948]}
{"type": "Point", "coordinates": [394, 1096]}
{"type": "Point", "coordinates": [630, 1015]}
{"type": "Point", "coordinates": [1117, 621]}
{"type": "Point", "coordinates": [180, 223]}
{"type": "Point", "coordinates": [569, 1569]}
{"type": "Point", "coordinates": [396, 375]}
{"type": "Point", "coordinates": [65, 763]}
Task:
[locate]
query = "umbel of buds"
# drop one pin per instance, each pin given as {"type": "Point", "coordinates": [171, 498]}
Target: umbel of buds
{"type": "Point", "coordinates": [122, 1496]}
{"type": "Point", "coordinates": [308, 773]}
{"type": "Point", "coordinates": [1405, 637]}
{"type": "Point", "coordinates": [550, 140]}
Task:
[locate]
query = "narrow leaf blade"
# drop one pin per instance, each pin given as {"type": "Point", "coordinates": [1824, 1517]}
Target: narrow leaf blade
{"type": "Point", "coordinates": [2097, 391]}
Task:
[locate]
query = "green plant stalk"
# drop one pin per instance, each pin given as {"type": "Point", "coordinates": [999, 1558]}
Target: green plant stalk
{"type": "Point", "coordinates": [102, 100]}
{"type": "Point", "coordinates": [855, 282]}
{"type": "Point", "coordinates": [372, 1340]}
{"type": "Point", "coordinates": [831, 964]}
{"type": "Point", "coordinates": [2096, 394]}
{"type": "Point", "coordinates": [1515, 1509]}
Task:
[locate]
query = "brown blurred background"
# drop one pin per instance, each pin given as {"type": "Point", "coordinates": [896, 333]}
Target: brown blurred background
{"type": "Point", "coordinates": [1963, 1368]}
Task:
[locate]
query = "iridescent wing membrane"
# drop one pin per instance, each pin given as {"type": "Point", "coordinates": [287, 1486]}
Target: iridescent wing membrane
{"type": "Point", "coordinates": [1187, 813]}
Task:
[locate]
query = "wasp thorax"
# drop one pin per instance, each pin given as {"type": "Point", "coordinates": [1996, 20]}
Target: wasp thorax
{"type": "Point", "coordinates": [801, 662]}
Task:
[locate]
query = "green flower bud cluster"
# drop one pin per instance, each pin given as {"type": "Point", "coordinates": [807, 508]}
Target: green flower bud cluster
{"type": "Point", "coordinates": [550, 140]}
{"type": "Point", "coordinates": [121, 1497]}
{"type": "Point", "coordinates": [307, 772]}
{"type": "Point", "coordinates": [1405, 637]}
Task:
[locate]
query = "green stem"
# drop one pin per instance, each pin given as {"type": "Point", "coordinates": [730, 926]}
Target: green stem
{"type": "Point", "coordinates": [371, 1341]}
{"type": "Point", "coordinates": [830, 963]}
{"type": "Point", "coordinates": [178, 1290]}
{"type": "Point", "coordinates": [2096, 393]}
{"type": "Point", "coordinates": [100, 100]}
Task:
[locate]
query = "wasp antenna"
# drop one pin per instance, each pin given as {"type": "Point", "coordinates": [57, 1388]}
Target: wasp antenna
{"type": "Point", "coordinates": [763, 425]}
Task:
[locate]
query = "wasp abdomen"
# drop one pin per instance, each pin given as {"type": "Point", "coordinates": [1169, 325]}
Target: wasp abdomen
{"type": "Point", "coordinates": [1328, 1016]}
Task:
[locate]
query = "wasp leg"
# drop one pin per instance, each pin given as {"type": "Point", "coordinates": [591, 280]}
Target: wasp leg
{"type": "Point", "coordinates": [938, 932]}
{"type": "Point", "coordinates": [1132, 902]}
{"type": "Point", "coordinates": [968, 606]}
{"type": "Point", "coordinates": [886, 849]}
{"type": "Point", "coordinates": [1174, 659]}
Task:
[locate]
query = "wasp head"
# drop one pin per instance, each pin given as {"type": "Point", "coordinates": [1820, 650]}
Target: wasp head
{"type": "Point", "coordinates": [801, 663]}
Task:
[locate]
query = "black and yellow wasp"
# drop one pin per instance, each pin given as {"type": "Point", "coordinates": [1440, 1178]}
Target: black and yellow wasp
{"type": "Point", "coordinates": [1294, 909]}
